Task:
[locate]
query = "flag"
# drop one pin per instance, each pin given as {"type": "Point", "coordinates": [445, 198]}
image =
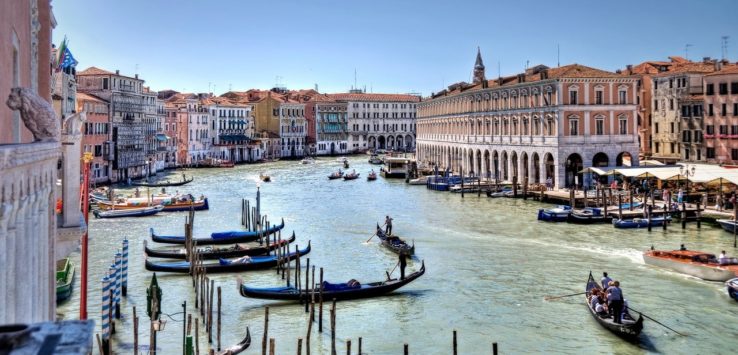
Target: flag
{"type": "Point", "coordinates": [68, 60]}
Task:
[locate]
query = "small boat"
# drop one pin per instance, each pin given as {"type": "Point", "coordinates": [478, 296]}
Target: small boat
{"type": "Point", "coordinates": [630, 327]}
{"type": "Point", "coordinates": [240, 347]}
{"type": "Point", "coordinates": [307, 160]}
{"type": "Point", "coordinates": [559, 213]}
{"type": "Point", "coordinates": [64, 279]}
{"type": "Point", "coordinates": [727, 224]}
{"type": "Point", "coordinates": [129, 212]}
{"type": "Point", "coordinates": [372, 176]}
{"type": "Point", "coordinates": [345, 164]}
{"type": "Point", "coordinates": [233, 251]}
{"type": "Point", "coordinates": [588, 215]}
{"type": "Point", "coordinates": [244, 263]}
{"type": "Point", "coordinates": [336, 291]}
{"type": "Point", "coordinates": [164, 183]}
{"type": "Point", "coordinates": [394, 243]}
{"type": "Point", "coordinates": [626, 206]}
{"type": "Point", "coordinates": [351, 176]}
{"type": "Point", "coordinates": [172, 204]}
{"type": "Point", "coordinates": [499, 193]}
{"type": "Point", "coordinates": [335, 175]}
{"type": "Point", "coordinates": [374, 159]}
{"type": "Point", "coordinates": [695, 263]}
{"type": "Point", "coordinates": [732, 286]}
{"type": "Point", "coordinates": [265, 178]}
{"type": "Point", "coordinates": [640, 222]}
{"type": "Point", "coordinates": [228, 237]}
{"type": "Point", "coordinates": [224, 164]}
{"type": "Point", "coordinates": [422, 180]}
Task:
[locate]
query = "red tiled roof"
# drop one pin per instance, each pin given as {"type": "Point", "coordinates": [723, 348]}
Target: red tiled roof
{"type": "Point", "coordinates": [95, 71]}
{"type": "Point", "coordinates": [89, 97]}
{"type": "Point", "coordinates": [727, 69]}
{"type": "Point", "coordinates": [375, 97]}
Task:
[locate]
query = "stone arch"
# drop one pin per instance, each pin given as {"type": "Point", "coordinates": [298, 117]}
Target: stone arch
{"type": "Point", "coordinates": [536, 168]}
{"type": "Point", "coordinates": [526, 167]}
{"type": "Point", "coordinates": [487, 164]}
{"type": "Point", "coordinates": [624, 159]}
{"type": "Point", "coordinates": [600, 160]}
{"type": "Point", "coordinates": [503, 165]}
{"type": "Point", "coordinates": [381, 142]}
{"type": "Point", "coordinates": [514, 165]}
{"type": "Point", "coordinates": [550, 170]}
{"type": "Point", "coordinates": [495, 164]}
{"type": "Point", "coordinates": [390, 142]}
{"type": "Point", "coordinates": [574, 164]}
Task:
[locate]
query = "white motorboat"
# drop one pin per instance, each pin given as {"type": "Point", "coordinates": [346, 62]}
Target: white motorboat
{"type": "Point", "coordinates": [695, 263]}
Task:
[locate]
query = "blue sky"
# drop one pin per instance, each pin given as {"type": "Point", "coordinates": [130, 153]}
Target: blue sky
{"type": "Point", "coordinates": [394, 46]}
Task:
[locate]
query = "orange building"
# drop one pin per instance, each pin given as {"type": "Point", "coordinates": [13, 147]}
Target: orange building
{"type": "Point", "coordinates": [96, 139]}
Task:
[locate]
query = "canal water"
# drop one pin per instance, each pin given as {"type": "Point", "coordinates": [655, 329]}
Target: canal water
{"type": "Point", "coordinates": [489, 265]}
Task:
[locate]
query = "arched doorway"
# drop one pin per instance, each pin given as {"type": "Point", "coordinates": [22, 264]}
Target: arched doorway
{"type": "Point", "coordinates": [504, 165]}
{"type": "Point", "coordinates": [487, 165]}
{"type": "Point", "coordinates": [398, 143]}
{"type": "Point", "coordinates": [408, 142]}
{"type": "Point", "coordinates": [600, 160]}
{"type": "Point", "coordinates": [495, 165]}
{"type": "Point", "coordinates": [574, 164]}
{"type": "Point", "coordinates": [390, 142]}
{"type": "Point", "coordinates": [550, 168]}
{"type": "Point", "coordinates": [333, 148]}
{"type": "Point", "coordinates": [536, 168]}
{"type": "Point", "coordinates": [373, 142]}
{"type": "Point", "coordinates": [514, 161]}
{"type": "Point", "coordinates": [381, 142]}
{"type": "Point", "coordinates": [624, 159]}
{"type": "Point", "coordinates": [525, 167]}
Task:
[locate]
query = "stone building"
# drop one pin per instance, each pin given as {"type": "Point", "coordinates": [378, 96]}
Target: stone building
{"type": "Point", "coordinates": [380, 121]}
{"type": "Point", "coordinates": [721, 115]}
{"type": "Point", "coordinates": [292, 129]}
{"type": "Point", "coordinates": [670, 89]}
{"type": "Point", "coordinates": [96, 135]}
{"type": "Point", "coordinates": [329, 119]}
{"type": "Point", "coordinates": [231, 130]}
{"type": "Point", "coordinates": [543, 123]}
{"type": "Point", "coordinates": [129, 108]}
{"type": "Point", "coordinates": [33, 234]}
{"type": "Point", "coordinates": [150, 122]}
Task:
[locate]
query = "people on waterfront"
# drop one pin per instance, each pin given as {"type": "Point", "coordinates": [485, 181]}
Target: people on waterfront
{"type": "Point", "coordinates": [614, 184]}
{"type": "Point", "coordinates": [403, 264]}
{"type": "Point", "coordinates": [665, 196]}
{"type": "Point", "coordinates": [137, 193]}
{"type": "Point", "coordinates": [719, 203]}
{"type": "Point", "coordinates": [680, 196]}
{"type": "Point", "coordinates": [615, 301]}
{"type": "Point", "coordinates": [388, 225]}
{"type": "Point", "coordinates": [605, 281]}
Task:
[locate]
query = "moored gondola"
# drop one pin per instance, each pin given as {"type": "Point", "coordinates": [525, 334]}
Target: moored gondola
{"type": "Point", "coordinates": [228, 237]}
{"type": "Point", "coordinates": [588, 215]}
{"type": "Point", "coordinates": [732, 286]}
{"type": "Point", "coordinates": [342, 291]}
{"type": "Point", "coordinates": [394, 243]}
{"type": "Point", "coordinates": [240, 347]}
{"type": "Point", "coordinates": [244, 263]}
{"type": "Point", "coordinates": [131, 212]}
{"type": "Point", "coordinates": [629, 328]}
{"type": "Point", "coordinates": [555, 214]}
{"type": "Point", "coordinates": [640, 222]}
{"type": "Point", "coordinates": [233, 251]}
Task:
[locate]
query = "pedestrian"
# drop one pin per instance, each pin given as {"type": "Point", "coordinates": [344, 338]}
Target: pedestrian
{"type": "Point", "coordinates": [680, 196]}
{"type": "Point", "coordinates": [615, 301]}
{"type": "Point", "coordinates": [605, 281]}
{"type": "Point", "coordinates": [388, 225]}
{"type": "Point", "coordinates": [403, 264]}
{"type": "Point", "coordinates": [665, 196]}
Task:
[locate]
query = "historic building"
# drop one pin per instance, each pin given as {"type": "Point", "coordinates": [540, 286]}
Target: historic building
{"type": "Point", "coordinates": [721, 115]}
{"type": "Point", "coordinates": [676, 136]}
{"type": "Point", "coordinates": [330, 121]}
{"type": "Point", "coordinates": [150, 122]}
{"type": "Point", "coordinates": [96, 134]}
{"type": "Point", "coordinates": [231, 130]}
{"type": "Point", "coordinates": [292, 128]}
{"type": "Point", "coordinates": [380, 121]}
{"type": "Point", "coordinates": [543, 123]}
{"type": "Point", "coordinates": [129, 108]}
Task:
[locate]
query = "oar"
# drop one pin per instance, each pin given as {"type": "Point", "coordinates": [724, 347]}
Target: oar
{"type": "Point", "coordinates": [657, 322]}
{"type": "Point", "coordinates": [393, 270]}
{"type": "Point", "coordinates": [375, 233]}
{"type": "Point", "coordinates": [555, 297]}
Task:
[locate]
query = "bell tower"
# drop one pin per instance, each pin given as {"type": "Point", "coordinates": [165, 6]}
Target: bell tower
{"type": "Point", "coordinates": [479, 69]}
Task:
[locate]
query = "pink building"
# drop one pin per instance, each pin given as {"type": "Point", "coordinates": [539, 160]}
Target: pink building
{"type": "Point", "coordinates": [721, 115]}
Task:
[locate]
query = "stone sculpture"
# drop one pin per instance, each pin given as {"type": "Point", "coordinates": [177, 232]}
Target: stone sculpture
{"type": "Point", "coordinates": [37, 114]}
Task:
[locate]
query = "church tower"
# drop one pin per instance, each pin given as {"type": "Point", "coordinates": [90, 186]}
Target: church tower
{"type": "Point", "coordinates": [479, 69]}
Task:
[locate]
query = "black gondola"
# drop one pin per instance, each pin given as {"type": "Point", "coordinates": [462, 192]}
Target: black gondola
{"type": "Point", "coordinates": [588, 216]}
{"type": "Point", "coordinates": [233, 251]}
{"type": "Point", "coordinates": [630, 328]}
{"type": "Point", "coordinates": [162, 184]}
{"type": "Point", "coordinates": [335, 175]}
{"type": "Point", "coordinates": [240, 347]}
{"type": "Point", "coordinates": [224, 265]}
{"type": "Point", "coordinates": [330, 291]}
{"type": "Point", "coordinates": [394, 243]}
{"type": "Point", "coordinates": [229, 237]}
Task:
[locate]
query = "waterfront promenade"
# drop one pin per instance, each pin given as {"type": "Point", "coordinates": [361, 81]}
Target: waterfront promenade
{"type": "Point", "coordinates": [489, 265]}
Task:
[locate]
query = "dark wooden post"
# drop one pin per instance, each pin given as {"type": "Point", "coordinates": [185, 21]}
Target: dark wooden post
{"type": "Point", "coordinates": [684, 214]}
{"type": "Point", "coordinates": [320, 313]}
{"type": "Point", "coordinates": [307, 285]}
{"type": "Point", "coordinates": [299, 346]}
{"type": "Point", "coordinates": [454, 343]}
{"type": "Point", "coordinates": [333, 327]}
{"type": "Point", "coordinates": [649, 210]}
{"type": "Point", "coordinates": [266, 331]}
{"type": "Point", "coordinates": [572, 198]}
{"type": "Point", "coordinates": [630, 199]}
{"type": "Point", "coordinates": [525, 188]}
{"type": "Point", "coordinates": [219, 308]}
{"type": "Point", "coordinates": [620, 206]}
{"type": "Point", "coordinates": [406, 351]}
{"type": "Point", "coordinates": [494, 348]}
{"type": "Point", "coordinates": [515, 186]}
{"type": "Point", "coordinates": [698, 215]}
{"type": "Point", "coordinates": [348, 347]}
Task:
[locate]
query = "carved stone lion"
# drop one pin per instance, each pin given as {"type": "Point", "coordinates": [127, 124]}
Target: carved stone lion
{"type": "Point", "coordinates": [37, 114]}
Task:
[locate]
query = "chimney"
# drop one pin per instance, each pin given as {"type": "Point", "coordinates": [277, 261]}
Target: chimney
{"type": "Point", "coordinates": [136, 76]}
{"type": "Point", "coordinates": [117, 72]}
{"type": "Point", "coordinates": [521, 78]}
{"type": "Point", "coordinates": [718, 65]}
{"type": "Point", "coordinates": [544, 74]}
{"type": "Point", "coordinates": [706, 59]}
{"type": "Point", "coordinates": [618, 71]}
{"type": "Point", "coordinates": [630, 68]}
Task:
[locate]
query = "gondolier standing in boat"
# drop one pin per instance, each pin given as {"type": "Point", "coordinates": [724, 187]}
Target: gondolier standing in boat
{"type": "Point", "coordinates": [615, 301]}
{"type": "Point", "coordinates": [388, 225]}
{"type": "Point", "coordinates": [605, 281]}
{"type": "Point", "coordinates": [403, 264]}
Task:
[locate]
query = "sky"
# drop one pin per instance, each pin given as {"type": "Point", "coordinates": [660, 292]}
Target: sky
{"type": "Point", "coordinates": [394, 46]}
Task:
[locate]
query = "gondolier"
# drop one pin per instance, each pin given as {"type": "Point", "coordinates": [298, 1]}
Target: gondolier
{"type": "Point", "coordinates": [615, 301]}
{"type": "Point", "coordinates": [403, 264]}
{"type": "Point", "coordinates": [388, 225]}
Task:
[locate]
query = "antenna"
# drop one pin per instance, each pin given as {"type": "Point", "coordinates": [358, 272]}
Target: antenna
{"type": "Point", "coordinates": [355, 79]}
{"type": "Point", "coordinates": [136, 72]}
{"type": "Point", "coordinates": [210, 84]}
{"type": "Point", "coordinates": [499, 73]}
{"type": "Point", "coordinates": [527, 63]}
{"type": "Point", "coordinates": [558, 55]}
{"type": "Point", "coordinates": [724, 46]}
{"type": "Point", "coordinates": [230, 86]}
{"type": "Point", "coordinates": [686, 50]}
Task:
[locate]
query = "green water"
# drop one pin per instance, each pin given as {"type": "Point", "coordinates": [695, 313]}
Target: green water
{"type": "Point", "coordinates": [489, 265]}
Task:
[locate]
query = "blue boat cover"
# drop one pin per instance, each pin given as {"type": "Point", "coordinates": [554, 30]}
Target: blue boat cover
{"type": "Point", "coordinates": [327, 286]}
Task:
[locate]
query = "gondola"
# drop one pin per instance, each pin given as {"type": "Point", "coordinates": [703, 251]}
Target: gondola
{"type": "Point", "coordinates": [330, 291]}
{"type": "Point", "coordinates": [640, 222]}
{"type": "Point", "coordinates": [499, 193]}
{"type": "Point", "coordinates": [170, 204]}
{"type": "Point", "coordinates": [345, 164]}
{"type": "Point", "coordinates": [265, 178]}
{"type": "Point", "coordinates": [727, 224]}
{"type": "Point", "coordinates": [556, 214]}
{"type": "Point", "coordinates": [240, 347]}
{"type": "Point", "coordinates": [233, 251]}
{"type": "Point", "coordinates": [394, 243]}
{"type": "Point", "coordinates": [732, 286]}
{"type": "Point", "coordinates": [630, 328]}
{"type": "Point", "coordinates": [131, 212]}
{"type": "Point", "coordinates": [224, 265]}
{"type": "Point", "coordinates": [352, 176]}
{"type": "Point", "coordinates": [64, 279]}
{"type": "Point", "coordinates": [588, 215]}
{"type": "Point", "coordinates": [167, 183]}
{"type": "Point", "coordinates": [335, 175]}
{"type": "Point", "coordinates": [228, 237]}
{"type": "Point", "coordinates": [372, 176]}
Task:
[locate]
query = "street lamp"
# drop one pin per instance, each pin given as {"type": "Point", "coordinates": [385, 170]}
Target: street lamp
{"type": "Point", "coordinates": [687, 172]}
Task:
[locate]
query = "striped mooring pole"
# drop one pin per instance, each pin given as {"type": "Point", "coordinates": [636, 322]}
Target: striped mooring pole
{"type": "Point", "coordinates": [125, 267]}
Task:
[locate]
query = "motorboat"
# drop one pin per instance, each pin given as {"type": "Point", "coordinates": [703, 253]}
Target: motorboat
{"type": "Point", "coordinates": [694, 263]}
